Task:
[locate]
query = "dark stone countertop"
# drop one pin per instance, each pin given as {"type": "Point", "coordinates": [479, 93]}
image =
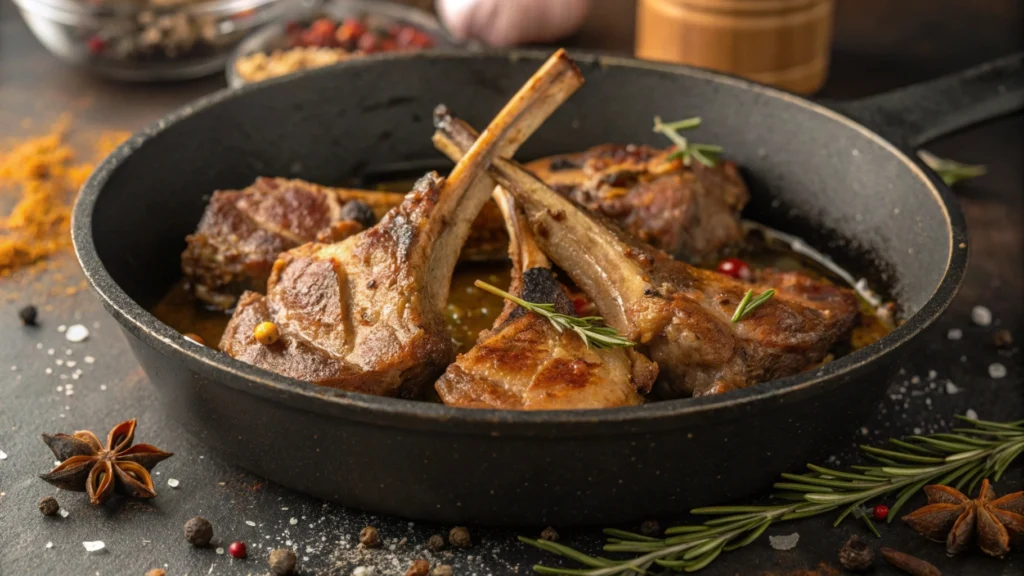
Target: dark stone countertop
{"type": "Point", "coordinates": [35, 89]}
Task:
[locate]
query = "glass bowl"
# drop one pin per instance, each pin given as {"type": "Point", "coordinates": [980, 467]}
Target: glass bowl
{"type": "Point", "coordinates": [147, 40]}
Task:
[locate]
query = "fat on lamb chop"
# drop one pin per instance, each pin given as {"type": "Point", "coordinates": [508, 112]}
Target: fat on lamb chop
{"type": "Point", "coordinates": [525, 363]}
{"type": "Point", "coordinates": [679, 314]}
{"type": "Point", "coordinates": [367, 314]}
{"type": "Point", "coordinates": [242, 232]}
{"type": "Point", "coordinates": [691, 212]}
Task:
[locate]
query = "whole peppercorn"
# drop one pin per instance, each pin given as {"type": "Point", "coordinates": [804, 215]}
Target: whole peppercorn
{"type": "Point", "coordinates": [459, 537]}
{"type": "Point", "coordinates": [48, 505]}
{"type": "Point", "coordinates": [238, 550]}
{"type": "Point", "coordinates": [880, 512]}
{"type": "Point", "coordinates": [1002, 338]}
{"type": "Point", "coordinates": [442, 570]}
{"type": "Point", "coordinates": [369, 537]}
{"type": "Point", "coordinates": [198, 531]}
{"type": "Point", "coordinates": [650, 528]}
{"type": "Point", "coordinates": [549, 534]}
{"type": "Point", "coordinates": [282, 562]}
{"type": "Point", "coordinates": [419, 568]}
{"type": "Point", "coordinates": [266, 333]}
{"type": "Point", "coordinates": [28, 315]}
{"type": "Point", "coordinates": [435, 543]}
{"type": "Point", "coordinates": [157, 572]}
{"type": "Point", "coordinates": [358, 211]}
{"type": "Point", "coordinates": [856, 555]}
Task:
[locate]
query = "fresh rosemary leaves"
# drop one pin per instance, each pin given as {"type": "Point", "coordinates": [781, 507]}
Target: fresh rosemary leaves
{"type": "Point", "coordinates": [951, 171]}
{"type": "Point", "coordinates": [749, 303]}
{"type": "Point", "coordinates": [706, 154]}
{"type": "Point", "coordinates": [588, 328]}
{"type": "Point", "coordinates": [960, 458]}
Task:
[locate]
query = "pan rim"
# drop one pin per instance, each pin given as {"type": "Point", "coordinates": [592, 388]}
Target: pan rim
{"type": "Point", "coordinates": [327, 401]}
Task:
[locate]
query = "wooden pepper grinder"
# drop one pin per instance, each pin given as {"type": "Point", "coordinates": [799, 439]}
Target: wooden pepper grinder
{"type": "Point", "coordinates": [784, 43]}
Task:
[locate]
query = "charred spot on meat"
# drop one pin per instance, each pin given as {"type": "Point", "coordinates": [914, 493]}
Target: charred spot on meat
{"type": "Point", "coordinates": [359, 212]}
{"type": "Point", "coordinates": [685, 326]}
{"type": "Point", "coordinates": [367, 314]}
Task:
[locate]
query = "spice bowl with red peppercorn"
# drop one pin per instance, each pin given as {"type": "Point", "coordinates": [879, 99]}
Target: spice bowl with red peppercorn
{"type": "Point", "coordinates": [332, 33]}
{"type": "Point", "coordinates": [148, 40]}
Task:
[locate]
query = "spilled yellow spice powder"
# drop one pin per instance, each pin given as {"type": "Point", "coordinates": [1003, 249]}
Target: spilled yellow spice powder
{"type": "Point", "coordinates": [44, 178]}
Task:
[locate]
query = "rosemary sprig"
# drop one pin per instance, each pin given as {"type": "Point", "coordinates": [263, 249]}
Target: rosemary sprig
{"type": "Point", "coordinates": [749, 303]}
{"type": "Point", "coordinates": [588, 327]}
{"type": "Point", "coordinates": [964, 456]}
{"type": "Point", "coordinates": [951, 171]}
{"type": "Point", "coordinates": [706, 154]}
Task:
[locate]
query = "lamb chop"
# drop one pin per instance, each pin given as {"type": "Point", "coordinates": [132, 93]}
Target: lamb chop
{"type": "Point", "coordinates": [525, 363]}
{"type": "Point", "coordinates": [691, 212]}
{"type": "Point", "coordinates": [242, 232]}
{"type": "Point", "coordinates": [367, 314]}
{"type": "Point", "coordinates": [680, 314]}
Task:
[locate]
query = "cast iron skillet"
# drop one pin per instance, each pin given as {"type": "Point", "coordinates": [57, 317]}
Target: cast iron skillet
{"type": "Point", "coordinates": [854, 190]}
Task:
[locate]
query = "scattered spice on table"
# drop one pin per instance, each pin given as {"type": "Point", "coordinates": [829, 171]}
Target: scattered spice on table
{"type": "Point", "coordinates": [157, 572]}
{"type": "Point", "coordinates": [238, 550]}
{"type": "Point", "coordinates": [419, 567]}
{"type": "Point", "coordinates": [650, 528]}
{"type": "Point", "coordinates": [951, 517]}
{"type": "Point", "coordinates": [266, 333]}
{"type": "Point", "coordinates": [282, 562]}
{"type": "Point", "coordinates": [49, 506]}
{"type": "Point", "coordinates": [198, 531]}
{"type": "Point", "coordinates": [459, 537]}
{"type": "Point", "coordinates": [549, 534]}
{"type": "Point", "coordinates": [856, 555]}
{"type": "Point", "coordinates": [28, 315]}
{"type": "Point", "coordinates": [369, 537]}
{"type": "Point", "coordinates": [442, 570]}
{"type": "Point", "coordinates": [435, 543]}
{"type": "Point", "coordinates": [1002, 338]}
{"type": "Point", "coordinates": [88, 466]}
{"type": "Point", "coordinates": [909, 564]}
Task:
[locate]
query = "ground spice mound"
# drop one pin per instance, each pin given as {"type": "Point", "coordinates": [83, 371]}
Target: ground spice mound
{"type": "Point", "coordinates": [42, 176]}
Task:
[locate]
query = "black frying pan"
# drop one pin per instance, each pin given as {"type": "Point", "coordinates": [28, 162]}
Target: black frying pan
{"type": "Point", "coordinates": [854, 190]}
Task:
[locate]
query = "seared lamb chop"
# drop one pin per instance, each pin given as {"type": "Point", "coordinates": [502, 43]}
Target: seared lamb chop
{"type": "Point", "coordinates": [679, 313]}
{"type": "Point", "coordinates": [242, 232]}
{"type": "Point", "coordinates": [367, 313]}
{"type": "Point", "coordinates": [691, 212]}
{"type": "Point", "coordinates": [525, 363]}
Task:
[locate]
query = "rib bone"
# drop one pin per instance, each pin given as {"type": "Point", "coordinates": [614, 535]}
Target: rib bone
{"type": "Point", "coordinates": [367, 313]}
{"type": "Point", "coordinates": [681, 314]}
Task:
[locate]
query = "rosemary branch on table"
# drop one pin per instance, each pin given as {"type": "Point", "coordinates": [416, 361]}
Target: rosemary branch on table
{"type": "Point", "coordinates": [962, 457]}
{"type": "Point", "coordinates": [951, 171]}
{"type": "Point", "coordinates": [589, 328]}
{"type": "Point", "coordinates": [706, 154]}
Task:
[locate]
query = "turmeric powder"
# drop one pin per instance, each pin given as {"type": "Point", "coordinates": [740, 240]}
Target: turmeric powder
{"type": "Point", "coordinates": [45, 178]}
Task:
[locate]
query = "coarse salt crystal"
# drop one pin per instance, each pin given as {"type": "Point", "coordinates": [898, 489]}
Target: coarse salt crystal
{"type": "Point", "coordinates": [64, 513]}
{"type": "Point", "coordinates": [970, 413]}
{"type": "Point", "coordinates": [955, 334]}
{"type": "Point", "coordinates": [219, 550]}
{"type": "Point", "coordinates": [70, 363]}
{"type": "Point", "coordinates": [69, 352]}
{"type": "Point", "coordinates": [784, 542]}
{"type": "Point", "coordinates": [996, 370]}
{"type": "Point", "coordinates": [363, 571]}
{"type": "Point", "coordinates": [932, 374]}
{"type": "Point", "coordinates": [48, 370]}
{"type": "Point", "coordinates": [49, 352]}
{"type": "Point", "coordinates": [103, 386]}
{"type": "Point", "coordinates": [250, 523]}
{"type": "Point", "coordinates": [49, 545]}
{"type": "Point", "coordinates": [981, 316]}
{"type": "Point", "coordinates": [173, 483]}
{"type": "Point", "coordinates": [61, 328]}
{"type": "Point", "coordinates": [94, 546]}
{"type": "Point", "coordinates": [917, 431]}
{"type": "Point", "coordinates": [89, 359]}
{"type": "Point", "coordinates": [293, 521]}
{"type": "Point", "coordinates": [3, 455]}
{"type": "Point", "coordinates": [76, 333]}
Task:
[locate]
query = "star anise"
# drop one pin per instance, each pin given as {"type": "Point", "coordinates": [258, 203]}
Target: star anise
{"type": "Point", "coordinates": [954, 518]}
{"type": "Point", "coordinates": [87, 466]}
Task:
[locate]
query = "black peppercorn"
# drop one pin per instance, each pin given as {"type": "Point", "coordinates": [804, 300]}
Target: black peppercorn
{"type": "Point", "coordinates": [650, 528]}
{"type": "Point", "coordinates": [435, 543]}
{"type": "Point", "coordinates": [198, 531]}
{"type": "Point", "coordinates": [856, 555]}
{"type": "Point", "coordinates": [28, 315]}
{"type": "Point", "coordinates": [549, 534]}
{"type": "Point", "coordinates": [282, 562]}
{"type": "Point", "coordinates": [459, 537]}
{"type": "Point", "coordinates": [419, 568]}
{"type": "Point", "coordinates": [369, 537]}
{"type": "Point", "coordinates": [358, 211]}
{"type": "Point", "coordinates": [1002, 338]}
{"type": "Point", "coordinates": [48, 505]}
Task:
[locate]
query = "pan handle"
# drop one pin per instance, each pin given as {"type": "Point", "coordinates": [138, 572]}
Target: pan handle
{"type": "Point", "coordinates": [917, 114]}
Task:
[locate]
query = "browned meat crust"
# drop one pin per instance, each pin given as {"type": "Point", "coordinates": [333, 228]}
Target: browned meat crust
{"type": "Point", "coordinates": [680, 314]}
{"type": "Point", "coordinates": [691, 212]}
{"type": "Point", "coordinates": [525, 363]}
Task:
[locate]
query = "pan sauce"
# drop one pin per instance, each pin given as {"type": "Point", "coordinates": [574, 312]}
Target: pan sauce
{"type": "Point", "coordinates": [471, 310]}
